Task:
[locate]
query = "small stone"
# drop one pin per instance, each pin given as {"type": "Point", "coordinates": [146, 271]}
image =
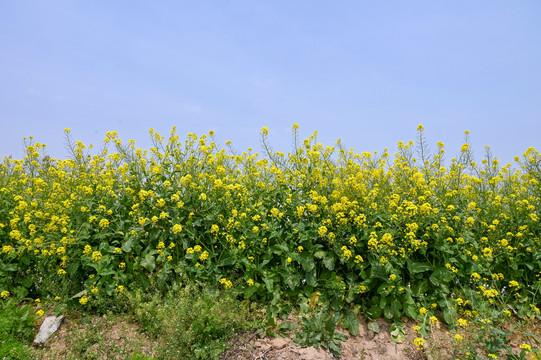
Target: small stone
{"type": "Point", "coordinates": [49, 326]}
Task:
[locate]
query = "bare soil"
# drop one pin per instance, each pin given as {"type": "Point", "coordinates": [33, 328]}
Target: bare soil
{"type": "Point", "coordinates": [367, 345]}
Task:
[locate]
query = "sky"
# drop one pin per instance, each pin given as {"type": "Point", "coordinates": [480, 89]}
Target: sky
{"type": "Point", "coordinates": [367, 72]}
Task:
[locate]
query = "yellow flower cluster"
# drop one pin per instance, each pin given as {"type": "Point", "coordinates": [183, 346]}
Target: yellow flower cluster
{"type": "Point", "coordinates": [370, 227]}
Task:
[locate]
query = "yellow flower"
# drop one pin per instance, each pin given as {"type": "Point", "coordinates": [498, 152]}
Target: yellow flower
{"type": "Point", "coordinates": [264, 131]}
{"type": "Point", "coordinates": [4, 294]}
{"type": "Point", "coordinates": [419, 343]}
{"type": "Point", "coordinates": [96, 256]}
{"type": "Point", "coordinates": [392, 277]}
{"type": "Point", "coordinates": [104, 223]}
{"type": "Point", "coordinates": [40, 313]}
{"type": "Point", "coordinates": [177, 228]}
{"type": "Point", "coordinates": [61, 272]}
{"type": "Point", "coordinates": [458, 338]}
{"type": "Point", "coordinates": [423, 311]}
{"type": "Point", "coordinates": [300, 248]}
{"type": "Point", "coordinates": [289, 260]}
{"type": "Point", "coordinates": [119, 288]}
{"type": "Point", "coordinates": [250, 282]}
{"type": "Point", "coordinates": [87, 249]}
{"type": "Point", "coordinates": [226, 283]}
{"type": "Point", "coordinates": [83, 300]}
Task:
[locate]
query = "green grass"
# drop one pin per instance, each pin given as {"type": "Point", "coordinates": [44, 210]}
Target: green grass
{"type": "Point", "coordinates": [191, 323]}
{"type": "Point", "coordinates": [17, 325]}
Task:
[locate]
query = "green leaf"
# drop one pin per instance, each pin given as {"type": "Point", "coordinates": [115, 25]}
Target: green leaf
{"type": "Point", "coordinates": [449, 312]}
{"type": "Point", "coordinates": [9, 267]}
{"type": "Point", "coordinates": [149, 262]}
{"type": "Point", "coordinates": [105, 272]}
{"type": "Point", "coordinates": [79, 294]}
{"type": "Point", "coordinates": [320, 254]}
{"type": "Point", "coordinates": [328, 262]}
{"type": "Point", "coordinates": [227, 261]}
{"type": "Point", "coordinates": [72, 269]}
{"type": "Point", "coordinates": [293, 281]}
{"type": "Point", "coordinates": [269, 284]}
{"type": "Point", "coordinates": [352, 324]}
{"type": "Point", "coordinates": [142, 281]}
{"type": "Point", "coordinates": [417, 267]}
{"type": "Point", "coordinates": [311, 278]}
{"type": "Point", "coordinates": [387, 313]}
{"type": "Point", "coordinates": [287, 326]}
{"type": "Point", "coordinates": [330, 325]}
{"type": "Point", "coordinates": [410, 310]}
{"type": "Point", "coordinates": [307, 262]}
{"type": "Point", "coordinates": [374, 326]}
{"type": "Point", "coordinates": [441, 276]}
{"type": "Point", "coordinates": [396, 308]}
{"type": "Point", "coordinates": [127, 246]}
{"type": "Point", "coordinates": [398, 335]}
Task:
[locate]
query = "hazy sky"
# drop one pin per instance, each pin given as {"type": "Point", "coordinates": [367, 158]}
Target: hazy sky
{"type": "Point", "coordinates": [367, 72]}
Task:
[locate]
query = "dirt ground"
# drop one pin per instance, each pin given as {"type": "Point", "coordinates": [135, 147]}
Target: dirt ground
{"type": "Point", "coordinates": [120, 339]}
{"type": "Point", "coordinates": [367, 345]}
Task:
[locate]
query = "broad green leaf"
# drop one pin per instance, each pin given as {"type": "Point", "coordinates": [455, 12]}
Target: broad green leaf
{"type": "Point", "coordinates": [352, 324]}
{"type": "Point", "coordinates": [227, 261]}
{"type": "Point", "coordinates": [307, 262]}
{"type": "Point", "coordinates": [79, 294]}
{"type": "Point", "coordinates": [374, 326]}
{"type": "Point", "coordinates": [311, 278]}
{"type": "Point", "coordinates": [149, 262]}
{"type": "Point", "coordinates": [269, 284]}
{"type": "Point", "coordinates": [127, 246]}
{"type": "Point", "coordinates": [396, 308]}
{"type": "Point", "coordinates": [417, 267]}
{"type": "Point", "coordinates": [328, 262]}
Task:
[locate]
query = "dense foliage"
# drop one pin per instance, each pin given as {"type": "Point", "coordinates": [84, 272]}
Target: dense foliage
{"type": "Point", "coordinates": [320, 227]}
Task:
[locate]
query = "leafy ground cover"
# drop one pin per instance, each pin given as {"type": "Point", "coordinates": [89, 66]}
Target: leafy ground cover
{"type": "Point", "coordinates": [323, 231]}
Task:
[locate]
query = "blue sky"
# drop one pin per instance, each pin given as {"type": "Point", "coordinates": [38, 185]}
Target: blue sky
{"type": "Point", "coordinates": [367, 72]}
